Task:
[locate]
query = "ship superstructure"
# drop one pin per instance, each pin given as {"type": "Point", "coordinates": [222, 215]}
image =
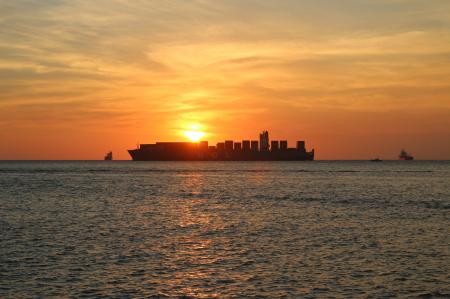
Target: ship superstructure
{"type": "Point", "coordinates": [247, 150]}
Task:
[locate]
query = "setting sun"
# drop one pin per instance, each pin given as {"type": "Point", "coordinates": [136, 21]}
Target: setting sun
{"type": "Point", "coordinates": [194, 134]}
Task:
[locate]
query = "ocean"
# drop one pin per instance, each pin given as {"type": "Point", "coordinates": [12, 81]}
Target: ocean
{"type": "Point", "coordinates": [340, 229]}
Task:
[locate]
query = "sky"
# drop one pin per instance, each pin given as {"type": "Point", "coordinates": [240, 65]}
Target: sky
{"type": "Point", "coordinates": [356, 79]}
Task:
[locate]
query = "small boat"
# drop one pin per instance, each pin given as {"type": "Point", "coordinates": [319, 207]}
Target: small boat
{"type": "Point", "coordinates": [108, 156]}
{"type": "Point", "coordinates": [405, 156]}
{"type": "Point", "coordinates": [376, 160]}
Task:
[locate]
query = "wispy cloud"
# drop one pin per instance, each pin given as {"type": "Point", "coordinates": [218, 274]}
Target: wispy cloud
{"type": "Point", "coordinates": [159, 64]}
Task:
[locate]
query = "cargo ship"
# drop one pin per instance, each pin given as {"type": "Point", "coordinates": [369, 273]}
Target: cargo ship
{"type": "Point", "coordinates": [405, 156]}
{"type": "Point", "coordinates": [247, 150]}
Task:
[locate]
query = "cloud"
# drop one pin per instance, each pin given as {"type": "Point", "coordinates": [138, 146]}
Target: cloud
{"type": "Point", "coordinates": [160, 64]}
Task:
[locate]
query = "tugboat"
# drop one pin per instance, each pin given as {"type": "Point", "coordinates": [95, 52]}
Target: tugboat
{"type": "Point", "coordinates": [108, 156]}
{"type": "Point", "coordinates": [405, 156]}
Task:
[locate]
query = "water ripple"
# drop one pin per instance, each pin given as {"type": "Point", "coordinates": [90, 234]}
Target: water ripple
{"type": "Point", "coordinates": [224, 230]}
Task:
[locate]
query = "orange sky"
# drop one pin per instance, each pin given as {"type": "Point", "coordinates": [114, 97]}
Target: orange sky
{"type": "Point", "coordinates": [355, 79]}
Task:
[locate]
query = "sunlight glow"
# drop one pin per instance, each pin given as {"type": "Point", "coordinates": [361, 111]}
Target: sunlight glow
{"type": "Point", "coordinates": [194, 134]}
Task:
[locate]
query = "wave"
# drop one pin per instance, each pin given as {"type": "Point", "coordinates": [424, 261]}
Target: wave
{"type": "Point", "coordinates": [234, 171]}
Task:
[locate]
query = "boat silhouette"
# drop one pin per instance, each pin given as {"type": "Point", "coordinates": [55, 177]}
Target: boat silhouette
{"type": "Point", "coordinates": [405, 156]}
{"type": "Point", "coordinates": [108, 156]}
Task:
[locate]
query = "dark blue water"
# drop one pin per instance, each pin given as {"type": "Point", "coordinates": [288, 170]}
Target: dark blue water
{"type": "Point", "coordinates": [233, 229]}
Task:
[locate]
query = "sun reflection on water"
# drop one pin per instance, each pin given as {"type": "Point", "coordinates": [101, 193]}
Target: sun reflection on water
{"type": "Point", "coordinates": [195, 253]}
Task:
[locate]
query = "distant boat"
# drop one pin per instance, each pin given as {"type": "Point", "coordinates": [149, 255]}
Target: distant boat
{"type": "Point", "coordinates": [108, 156]}
{"type": "Point", "coordinates": [405, 156]}
{"type": "Point", "coordinates": [376, 160]}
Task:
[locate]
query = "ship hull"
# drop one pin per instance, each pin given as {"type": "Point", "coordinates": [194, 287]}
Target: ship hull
{"type": "Point", "coordinates": [153, 155]}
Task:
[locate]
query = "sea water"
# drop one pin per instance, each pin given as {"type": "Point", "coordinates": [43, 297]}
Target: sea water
{"type": "Point", "coordinates": [224, 229]}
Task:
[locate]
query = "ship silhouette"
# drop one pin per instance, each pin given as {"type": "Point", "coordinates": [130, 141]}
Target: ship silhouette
{"type": "Point", "coordinates": [247, 150]}
{"type": "Point", "coordinates": [405, 156]}
{"type": "Point", "coordinates": [108, 156]}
